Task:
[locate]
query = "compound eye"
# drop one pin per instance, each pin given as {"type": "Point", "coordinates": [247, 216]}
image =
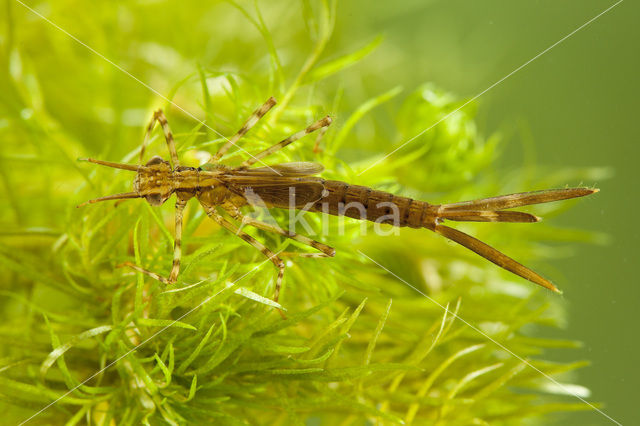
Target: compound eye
{"type": "Point", "coordinates": [155, 160]}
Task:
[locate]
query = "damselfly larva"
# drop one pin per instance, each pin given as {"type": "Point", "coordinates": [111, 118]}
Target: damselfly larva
{"type": "Point", "coordinates": [294, 186]}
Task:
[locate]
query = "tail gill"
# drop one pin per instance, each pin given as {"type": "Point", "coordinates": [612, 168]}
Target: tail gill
{"type": "Point", "coordinates": [493, 210]}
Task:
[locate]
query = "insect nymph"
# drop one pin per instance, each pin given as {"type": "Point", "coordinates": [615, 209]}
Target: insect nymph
{"type": "Point", "coordinates": [217, 186]}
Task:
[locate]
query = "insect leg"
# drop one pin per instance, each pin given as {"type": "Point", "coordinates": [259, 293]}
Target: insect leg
{"type": "Point", "coordinates": [147, 136]}
{"type": "Point", "coordinates": [325, 250]}
{"type": "Point", "coordinates": [316, 146]}
{"type": "Point", "coordinates": [177, 250]}
{"type": "Point", "coordinates": [251, 121]}
{"type": "Point", "coordinates": [324, 122]}
{"type": "Point", "coordinates": [144, 271]}
{"type": "Point", "coordinates": [159, 116]}
{"type": "Point", "coordinates": [211, 211]}
{"type": "Point", "coordinates": [177, 244]}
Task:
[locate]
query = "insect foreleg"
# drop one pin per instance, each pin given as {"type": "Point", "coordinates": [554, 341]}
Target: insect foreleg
{"type": "Point", "coordinates": [177, 243]}
{"type": "Point", "coordinates": [159, 116]}
{"type": "Point", "coordinates": [177, 250]}
{"type": "Point", "coordinates": [326, 251]}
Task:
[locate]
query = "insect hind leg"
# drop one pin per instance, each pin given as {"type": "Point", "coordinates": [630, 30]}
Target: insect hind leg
{"type": "Point", "coordinates": [325, 250]}
{"type": "Point", "coordinates": [320, 124]}
{"type": "Point", "coordinates": [144, 271]}
{"type": "Point", "coordinates": [270, 255]}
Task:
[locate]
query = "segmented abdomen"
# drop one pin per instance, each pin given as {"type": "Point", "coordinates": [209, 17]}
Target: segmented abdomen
{"type": "Point", "coordinates": [361, 202]}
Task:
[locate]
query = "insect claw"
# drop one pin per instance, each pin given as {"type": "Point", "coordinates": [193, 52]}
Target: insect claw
{"type": "Point", "coordinates": [284, 317]}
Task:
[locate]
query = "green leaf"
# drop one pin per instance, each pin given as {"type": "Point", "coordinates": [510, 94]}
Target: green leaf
{"type": "Point", "coordinates": [165, 371]}
{"type": "Point", "coordinates": [193, 387]}
{"type": "Point", "coordinates": [153, 322]}
{"type": "Point", "coordinates": [193, 355]}
{"type": "Point", "coordinates": [323, 71]}
{"type": "Point", "coordinates": [60, 349]}
{"type": "Point", "coordinates": [257, 298]}
{"type": "Point", "coordinates": [358, 114]}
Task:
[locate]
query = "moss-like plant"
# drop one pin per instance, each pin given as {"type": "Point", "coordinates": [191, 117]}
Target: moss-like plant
{"type": "Point", "coordinates": [113, 347]}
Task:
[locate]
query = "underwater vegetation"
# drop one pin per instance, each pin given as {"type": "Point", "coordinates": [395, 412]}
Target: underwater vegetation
{"type": "Point", "coordinates": [403, 328]}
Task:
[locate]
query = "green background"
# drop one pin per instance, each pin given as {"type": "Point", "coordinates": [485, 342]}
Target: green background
{"type": "Point", "coordinates": [580, 105]}
{"type": "Point", "coordinates": [575, 106]}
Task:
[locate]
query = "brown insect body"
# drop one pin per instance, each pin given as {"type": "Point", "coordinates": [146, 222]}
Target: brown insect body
{"type": "Point", "coordinates": [342, 199]}
{"type": "Point", "coordinates": [157, 181]}
{"type": "Point", "coordinates": [294, 186]}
